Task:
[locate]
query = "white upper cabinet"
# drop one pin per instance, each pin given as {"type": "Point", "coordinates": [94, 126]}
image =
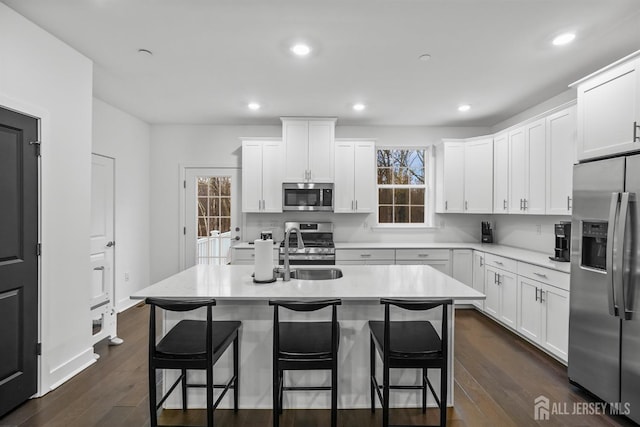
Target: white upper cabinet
{"type": "Point", "coordinates": [609, 111]}
{"type": "Point", "coordinates": [478, 176]}
{"type": "Point", "coordinates": [464, 181]}
{"type": "Point", "coordinates": [450, 177]}
{"type": "Point", "coordinates": [527, 168]}
{"type": "Point", "coordinates": [354, 190]}
{"type": "Point", "coordinates": [262, 176]}
{"type": "Point", "coordinates": [501, 173]}
{"type": "Point", "coordinates": [561, 156]}
{"type": "Point", "coordinates": [309, 149]}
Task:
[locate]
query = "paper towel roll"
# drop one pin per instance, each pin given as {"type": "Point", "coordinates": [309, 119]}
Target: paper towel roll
{"type": "Point", "coordinates": [263, 259]}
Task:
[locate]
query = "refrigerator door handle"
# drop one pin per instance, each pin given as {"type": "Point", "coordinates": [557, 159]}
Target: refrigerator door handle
{"type": "Point", "coordinates": [621, 230]}
{"type": "Point", "coordinates": [613, 211]}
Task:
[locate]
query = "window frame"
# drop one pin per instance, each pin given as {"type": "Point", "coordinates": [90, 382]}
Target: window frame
{"type": "Point", "coordinates": [429, 195]}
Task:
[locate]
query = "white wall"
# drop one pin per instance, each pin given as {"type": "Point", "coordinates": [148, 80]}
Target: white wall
{"type": "Point", "coordinates": [126, 138]}
{"type": "Point", "coordinates": [42, 76]}
{"type": "Point", "coordinates": [220, 146]}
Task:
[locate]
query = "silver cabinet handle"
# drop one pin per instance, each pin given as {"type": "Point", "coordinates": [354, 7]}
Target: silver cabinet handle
{"type": "Point", "coordinates": [481, 261]}
{"type": "Point", "coordinates": [613, 211]}
{"type": "Point", "coordinates": [499, 262]}
{"type": "Point", "coordinates": [537, 294]}
{"type": "Point", "coordinates": [504, 204]}
{"type": "Point", "coordinates": [466, 205]}
{"type": "Point", "coordinates": [495, 278]}
{"type": "Point", "coordinates": [568, 203]}
{"type": "Point", "coordinates": [423, 255]}
{"type": "Point", "coordinates": [446, 205]}
{"type": "Point", "coordinates": [365, 255]}
{"type": "Point", "coordinates": [635, 132]}
{"type": "Point", "coordinates": [356, 205]}
{"type": "Point", "coordinates": [352, 205]}
{"type": "Point", "coordinates": [99, 268]}
{"type": "Point", "coordinates": [525, 204]}
{"type": "Point", "coordinates": [521, 204]}
{"type": "Point", "coordinates": [499, 281]}
{"type": "Point", "coordinates": [540, 274]}
{"type": "Point", "coordinates": [542, 296]}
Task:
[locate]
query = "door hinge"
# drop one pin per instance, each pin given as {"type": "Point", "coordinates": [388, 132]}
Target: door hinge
{"type": "Point", "coordinates": [39, 349]}
{"type": "Point", "coordinates": [37, 144]}
{"type": "Point", "coordinates": [184, 184]}
{"type": "Point", "coordinates": [184, 231]}
{"type": "Point", "coordinates": [38, 249]}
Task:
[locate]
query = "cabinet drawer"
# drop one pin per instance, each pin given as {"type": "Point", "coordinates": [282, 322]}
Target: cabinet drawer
{"type": "Point", "coordinates": [544, 275]}
{"type": "Point", "coordinates": [507, 264]}
{"type": "Point", "coordinates": [422, 254]}
{"type": "Point", "coordinates": [364, 254]}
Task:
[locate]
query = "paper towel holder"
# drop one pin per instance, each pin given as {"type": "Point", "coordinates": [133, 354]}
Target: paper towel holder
{"type": "Point", "coordinates": [273, 279]}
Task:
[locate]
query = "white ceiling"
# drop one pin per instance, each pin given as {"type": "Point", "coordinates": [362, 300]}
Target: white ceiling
{"type": "Point", "coordinates": [211, 57]}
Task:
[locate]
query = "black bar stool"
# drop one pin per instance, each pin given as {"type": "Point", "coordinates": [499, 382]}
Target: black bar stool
{"type": "Point", "coordinates": [410, 344]}
{"type": "Point", "coordinates": [305, 346]}
{"type": "Point", "coordinates": [191, 344]}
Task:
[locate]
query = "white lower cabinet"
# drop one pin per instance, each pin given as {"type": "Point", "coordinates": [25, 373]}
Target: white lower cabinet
{"type": "Point", "coordinates": [501, 291]}
{"type": "Point", "coordinates": [478, 278]}
{"type": "Point", "coordinates": [543, 315]}
{"type": "Point", "coordinates": [440, 259]}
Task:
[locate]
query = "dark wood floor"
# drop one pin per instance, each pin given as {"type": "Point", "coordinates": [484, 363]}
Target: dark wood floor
{"type": "Point", "coordinates": [497, 377]}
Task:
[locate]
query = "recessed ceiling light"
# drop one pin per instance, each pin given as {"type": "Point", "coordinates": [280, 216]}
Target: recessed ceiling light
{"type": "Point", "coordinates": [563, 39]}
{"type": "Point", "coordinates": [301, 49]}
{"type": "Point", "coordinates": [145, 52]}
{"type": "Point", "coordinates": [424, 57]}
{"type": "Point", "coordinates": [359, 106]}
{"type": "Point", "coordinates": [253, 106]}
{"type": "Point", "coordinates": [464, 107]}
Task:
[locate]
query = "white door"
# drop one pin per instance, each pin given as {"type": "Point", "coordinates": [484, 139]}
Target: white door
{"type": "Point", "coordinates": [561, 155]}
{"type": "Point", "coordinates": [535, 168]}
{"type": "Point", "coordinates": [492, 291]}
{"type": "Point", "coordinates": [529, 309]}
{"type": "Point", "coordinates": [321, 146]}
{"type": "Point", "coordinates": [555, 321]}
{"type": "Point", "coordinates": [295, 134]}
{"type": "Point", "coordinates": [478, 277]}
{"type": "Point", "coordinates": [251, 176]}
{"type": "Point", "coordinates": [517, 170]}
{"type": "Point", "coordinates": [211, 215]}
{"type": "Point", "coordinates": [272, 175]}
{"type": "Point", "coordinates": [344, 200]}
{"type": "Point", "coordinates": [102, 241]}
{"type": "Point", "coordinates": [454, 177]}
{"type": "Point", "coordinates": [478, 176]}
{"type": "Point", "coordinates": [501, 173]}
{"type": "Point", "coordinates": [365, 176]}
{"type": "Point", "coordinates": [508, 298]}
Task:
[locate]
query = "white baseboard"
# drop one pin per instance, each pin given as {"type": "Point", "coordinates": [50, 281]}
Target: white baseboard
{"type": "Point", "coordinates": [69, 369]}
{"type": "Point", "coordinates": [126, 304]}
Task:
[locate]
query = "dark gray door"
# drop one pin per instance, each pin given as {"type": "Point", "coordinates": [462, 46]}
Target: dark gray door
{"type": "Point", "coordinates": [594, 332]}
{"type": "Point", "coordinates": [630, 363]}
{"type": "Point", "coordinates": [18, 258]}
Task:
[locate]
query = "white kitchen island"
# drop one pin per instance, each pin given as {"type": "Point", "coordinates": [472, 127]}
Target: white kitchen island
{"type": "Point", "coordinates": [360, 289]}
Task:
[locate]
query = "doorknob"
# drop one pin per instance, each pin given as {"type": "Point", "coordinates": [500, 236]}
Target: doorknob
{"type": "Point", "coordinates": [236, 238]}
{"type": "Point", "coordinates": [111, 243]}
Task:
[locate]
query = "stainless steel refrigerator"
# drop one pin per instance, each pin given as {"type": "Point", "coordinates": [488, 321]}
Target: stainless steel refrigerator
{"type": "Point", "coordinates": [604, 322]}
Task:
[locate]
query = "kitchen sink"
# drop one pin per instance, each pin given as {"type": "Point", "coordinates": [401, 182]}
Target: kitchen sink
{"type": "Point", "coordinates": [316, 273]}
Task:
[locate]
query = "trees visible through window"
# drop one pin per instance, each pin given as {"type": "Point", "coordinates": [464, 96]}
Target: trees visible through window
{"type": "Point", "coordinates": [214, 205]}
{"type": "Point", "coordinates": [402, 186]}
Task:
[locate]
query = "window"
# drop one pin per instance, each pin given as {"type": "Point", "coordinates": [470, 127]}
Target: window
{"type": "Point", "coordinates": [402, 186]}
{"type": "Point", "coordinates": [213, 219]}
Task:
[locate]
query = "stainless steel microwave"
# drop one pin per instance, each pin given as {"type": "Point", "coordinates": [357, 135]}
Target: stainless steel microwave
{"type": "Point", "coordinates": [307, 196]}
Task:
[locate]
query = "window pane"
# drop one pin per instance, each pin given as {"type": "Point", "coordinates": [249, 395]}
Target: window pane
{"type": "Point", "coordinates": [401, 214]}
{"type": "Point", "coordinates": [416, 176]}
{"type": "Point", "coordinates": [203, 185]}
{"type": "Point", "coordinates": [214, 224]}
{"type": "Point", "coordinates": [384, 176]}
{"type": "Point", "coordinates": [384, 158]}
{"type": "Point", "coordinates": [214, 187]}
{"type": "Point", "coordinates": [417, 214]}
{"type": "Point", "coordinates": [225, 208]}
{"type": "Point", "coordinates": [417, 196]}
{"type": "Point", "coordinates": [225, 186]}
{"type": "Point", "coordinates": [202, 206]}
{"type": "Point", "coordinates": [202, 227]}
{"type": "Point", "coordinates": [385, 214]}
{"type": "Point", "coordinates": [214, 206]}
{"type": "Point", "coordinates": [225, 225]}
{"type": "Point", "coordinates": [385, 196]}
{"type": "Point", "coordinates": [401, 176]}
{"type": "Point", "coordinates": [401, 196]}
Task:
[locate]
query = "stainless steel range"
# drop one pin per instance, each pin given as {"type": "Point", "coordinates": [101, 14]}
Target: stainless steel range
{"type": "Point", "coordinates": [318, 244]}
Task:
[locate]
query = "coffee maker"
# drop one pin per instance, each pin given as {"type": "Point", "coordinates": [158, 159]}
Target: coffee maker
{"type": "Point", "coordinates": [487, 232]}
{"type": "Point", "coordinates": [563, 242]}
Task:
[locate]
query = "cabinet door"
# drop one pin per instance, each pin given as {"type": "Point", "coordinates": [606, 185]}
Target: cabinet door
{"type": "Point", "coordinates": [478, 276]}
{"type": "Point", "coordinates": [252, 176]}
{"type": "Point", "coordinates": [508, 298]}
{"type": "Point", "coordinates": [440, 265]}
{"type": "Point", "coordinates": [463, 266]}
{"type": "Point", "coordinates": [321, 146]}
{"type": "Point", "coordinates": [272, 176]}
{"type": "Point", "coordinates": [492, 291]}
{"type": "Point", "coordinates": [478, 176]}
{"type": "Point", "coordinates": [555, 321]}
{"type": "Point", "coordinates": [517, 170]}
{"type": "Point", "coordinates": [453, 175]}
{"type": "Point", "coordinates": [561, 155]}
{"type": "Point", "coordinates": [608, 106]}
{"type": "Point", "coordinates": [343, 198]}
{"type": "Point", "coordinates": [365, 176]}
{"type": "Point", "coordinates": [296, 141]}
{"type": "Point", "coordinates": [529, 309]}
{"type": "Point", "coordinates": [501, 173]}
{"type": "Point", "coordinates": [535, 168]}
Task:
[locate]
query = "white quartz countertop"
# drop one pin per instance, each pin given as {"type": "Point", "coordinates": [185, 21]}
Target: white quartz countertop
{"type": "Point", "coordinates": [360, 282]}
{"type": "Point", "coordinates": [532, 257]}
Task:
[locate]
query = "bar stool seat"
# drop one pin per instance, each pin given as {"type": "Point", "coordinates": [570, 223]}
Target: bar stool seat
{"type": "Point", "coordinates": [186, 339]}
{"type": "Point", "coordinates": [412, 342]}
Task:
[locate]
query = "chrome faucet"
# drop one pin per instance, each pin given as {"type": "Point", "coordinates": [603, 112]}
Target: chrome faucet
{"type": "Point", "coordinates": [286, 273]}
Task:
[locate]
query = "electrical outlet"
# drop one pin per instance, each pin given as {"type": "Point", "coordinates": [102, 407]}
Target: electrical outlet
{"type": "Point", "coordinates": [538, 228]}
{"type": "Point", "coordinates": [126, 277]}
